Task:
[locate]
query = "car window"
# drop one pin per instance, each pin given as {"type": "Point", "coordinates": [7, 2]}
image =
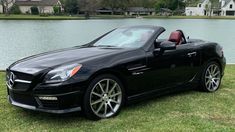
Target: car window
{"type": "Point", "coordinates": [126, 37]}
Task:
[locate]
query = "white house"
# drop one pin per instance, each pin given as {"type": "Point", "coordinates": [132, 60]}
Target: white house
{"type": "Point", "coordinates": [227, 7]}
{"type": "Point", "coordinates": [44, 6]}
{"type": "Point", "coordinates": [140, 11]}
{"type": "Point", "coordinates": [1, 9]}
{"type": "Point", "coordinates": [200, 10]}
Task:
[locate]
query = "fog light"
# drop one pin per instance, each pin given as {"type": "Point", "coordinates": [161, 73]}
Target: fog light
{"type": "Point", "coordinates": [48, 98]}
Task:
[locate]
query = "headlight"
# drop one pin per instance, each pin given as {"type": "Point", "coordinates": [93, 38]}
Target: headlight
{"type": "Point", "coordinates": [62, 73]}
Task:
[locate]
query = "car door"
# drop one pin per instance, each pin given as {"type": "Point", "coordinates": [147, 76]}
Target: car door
{"type": "Point", "coordinates": [172, 67]}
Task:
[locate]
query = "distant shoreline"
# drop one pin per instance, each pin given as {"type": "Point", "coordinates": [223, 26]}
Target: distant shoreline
{"type": "Point", "coordinates": [37, 17]}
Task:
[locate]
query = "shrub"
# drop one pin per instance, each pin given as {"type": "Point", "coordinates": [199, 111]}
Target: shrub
{"type": "Point", "coordinates": [34, 10]}
{"type": "Point", "coordinates": [57, 10]}
{"type": "Point", "coordinates": [15, 9]}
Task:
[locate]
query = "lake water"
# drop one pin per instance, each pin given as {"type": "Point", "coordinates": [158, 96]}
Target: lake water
{"type": "Point", "coordinates": [20, 39]}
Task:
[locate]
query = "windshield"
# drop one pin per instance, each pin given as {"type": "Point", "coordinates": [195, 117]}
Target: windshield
{"type": "Point", "coordinates": [126, 37]}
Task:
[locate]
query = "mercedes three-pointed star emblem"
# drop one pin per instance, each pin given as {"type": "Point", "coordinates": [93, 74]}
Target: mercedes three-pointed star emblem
{"type": "Point", "coordinates": [11, 80]}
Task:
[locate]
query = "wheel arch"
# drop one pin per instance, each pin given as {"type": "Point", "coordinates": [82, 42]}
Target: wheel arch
{"type": "Point", "coordinates": [203, 65]}
{"type": "Point", "coordinates": [217, 60]}
{"type": "Point", "coordinates": [111, 72]}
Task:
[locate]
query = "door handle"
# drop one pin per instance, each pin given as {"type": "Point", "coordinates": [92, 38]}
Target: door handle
{"type": "Point", "coordinates": [192, 54]}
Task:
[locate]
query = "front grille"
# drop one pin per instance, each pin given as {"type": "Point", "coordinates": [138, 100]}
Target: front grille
{"type": "Point", "coordinates": [23, 98]}
{"type": "Point", "coordinates": [14, 82]}
{"type": "Point", "coordinates": [23, 76]}
{"type": "Point", "coordinates": [21, 86]}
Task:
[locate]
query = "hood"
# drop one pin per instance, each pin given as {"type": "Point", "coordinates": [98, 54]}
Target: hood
{"type": "Point", "coordinates": [36, 63]}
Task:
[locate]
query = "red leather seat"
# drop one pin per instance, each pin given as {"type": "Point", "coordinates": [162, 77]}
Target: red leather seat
{"type": "Point", "coordinates": [176, 37]}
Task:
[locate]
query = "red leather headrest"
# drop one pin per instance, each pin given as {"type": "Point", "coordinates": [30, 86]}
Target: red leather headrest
{"type": "Point", "coordinates": [176, 37]}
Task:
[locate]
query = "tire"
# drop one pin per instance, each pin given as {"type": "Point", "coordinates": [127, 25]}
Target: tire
{"type": "Point", "coordinates": [211, 77]}
{"type": "Point", "coordinates": [102, 102]}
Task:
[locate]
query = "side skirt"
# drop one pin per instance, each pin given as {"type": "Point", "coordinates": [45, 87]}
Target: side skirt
{"type": "Point", "coordinates": [159, 92]}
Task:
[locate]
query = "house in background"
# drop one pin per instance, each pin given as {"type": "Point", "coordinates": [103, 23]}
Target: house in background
{"type": "Point", "coordinates": [44, 6]}
{"type": "Point", "coordinates": [200, 10]}
{"type": "Point", "coordinates": [165, 12]}
{"type": "Point", "coordinates": [1, 9]}
{"type": "Point", "coordinates": [227, 7]}
{"type": "Point", "coordinates": [108, 11]}
{"type": "Point", "coordinates": [139, 11]}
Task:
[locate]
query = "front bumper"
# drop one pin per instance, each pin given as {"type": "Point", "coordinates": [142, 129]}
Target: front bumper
{"type": "Point", "coordinates": [41, 109]}
{"type": "Point", "coordinates": [66, 101]}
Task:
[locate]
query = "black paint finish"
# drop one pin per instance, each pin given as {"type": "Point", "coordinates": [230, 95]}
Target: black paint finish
{"type": "Point", "coordinates": [144, 71]}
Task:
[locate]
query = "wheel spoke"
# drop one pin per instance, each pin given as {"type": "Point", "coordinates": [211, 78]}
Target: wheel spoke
{"type": "Point", "coordinates": [217, 78]}
{"type": "Point", "coordinates": [115, 84]}
{"type": "Point", "coordinates": [209, 72]}
{"type": "Point", "coordinates": [215, 83]}
{"type": "Point", "coordinates": [216, 73]}
{"type": "Point", "coordinates": [111, 107]}
{"type": "Point", "coordinates": [105, 109]}
{"type": "Point", "coordinates": [116, 94]}
{"type": "Point", "coordinates": [208, 81]}
{"type": "Point", "coordinates": [215, 68]}
{"type": "Point", "coordinates": [96, 102]}
{"type": "Point", "coordinates": [107, 86]}
{"type": "Point", "coordinates": [99, 95]}
{"type": "Point", "coordinates": [101, 87]}
{"type": "Point", "coordinates": [101, 105]}
{"type": "Point", "coordinates": [114, 101]}
{"type": "Point", "coordinates": [210, 85]}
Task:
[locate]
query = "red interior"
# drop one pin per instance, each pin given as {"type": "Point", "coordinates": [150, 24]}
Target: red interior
{"type": "Point", "coordinates": [176, 37]}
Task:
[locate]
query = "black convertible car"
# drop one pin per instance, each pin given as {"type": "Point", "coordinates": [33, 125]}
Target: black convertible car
{"type": "Point", "coordinates": [121, 66]}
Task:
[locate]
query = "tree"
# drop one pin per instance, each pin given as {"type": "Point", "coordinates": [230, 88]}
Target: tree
{"type": "Point", "coordinates": [88, 6]}
{"type": "Point", "coordinates": [170, 4]}
{"type": "Point", "coordinates": [71, 6]}
{"type": "Point", "coordinates": [15, 9]}
{"type": "Point", "coordinates": [57, 10]}
{"type": "Point", "coordinates": [215, 7]}
{"type": "Point", "coordinates": [113, 4]}
{"type": "Point", "coordinates": [6, 5]}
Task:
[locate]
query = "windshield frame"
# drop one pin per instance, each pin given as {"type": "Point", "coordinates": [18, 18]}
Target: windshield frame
{"type": "Point", "coordinates": [146, 46]}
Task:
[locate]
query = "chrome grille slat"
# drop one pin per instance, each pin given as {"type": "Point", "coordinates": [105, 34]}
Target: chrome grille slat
{"type": "Point", "coordinates": [19, 81]}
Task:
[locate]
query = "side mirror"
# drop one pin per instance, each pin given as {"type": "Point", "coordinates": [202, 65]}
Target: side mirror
{"type": "Point", "coordinates": [167, 45]}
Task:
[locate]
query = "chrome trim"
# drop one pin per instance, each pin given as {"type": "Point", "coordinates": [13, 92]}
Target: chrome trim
{"type": "Point", "coordinates": [135, 68]}
{"type": "Point", "coordinates": [49, 95]}
{"type": "Point", "coordinates": [22, 81]}
{"type": "Point", "coordinates": [8, 86]}
{"type": "Point", "coordinates": [42, 110]}
{"type": "Point", "coordinates": [137, 73]}
{"type": "Point", "coordinates": [21, 105]}
{"type": "Point", "coordinates": [192, 54]}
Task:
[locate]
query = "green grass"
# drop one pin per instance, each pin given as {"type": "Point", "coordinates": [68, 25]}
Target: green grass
{"type": "Point", "coordinates": [37, 17]}
{"type": "Point", "coordinates": [185, 111]}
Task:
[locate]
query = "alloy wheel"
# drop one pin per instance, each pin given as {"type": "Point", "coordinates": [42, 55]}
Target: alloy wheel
{"type": "Point", "coordinates": [212, 77]}
{"type": "Point", "coordinates": [105, 98]}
